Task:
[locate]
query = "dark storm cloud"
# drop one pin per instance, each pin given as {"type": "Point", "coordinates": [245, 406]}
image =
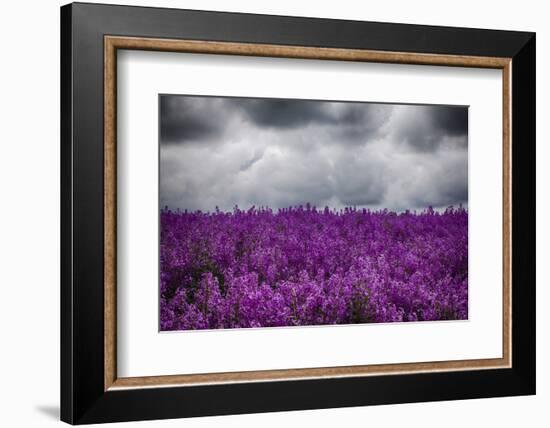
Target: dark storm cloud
{"type": "Point", "coordinates": [223, 152]}
{"type": "Point", "coordinates": [184, 119]}
{"type": "Point", "coordinates": [350, 122]}
{"type": "Point", "coordinates": [281, 113]}
{"type": "Point", "coordinates": [450, 120]}
{"type": "Point", "coordinates": [293, 113]}
{"type": "Point", "coordinates": [425, 128]}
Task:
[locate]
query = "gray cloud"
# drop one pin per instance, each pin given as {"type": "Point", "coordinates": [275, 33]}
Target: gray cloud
{"type": "Point", "coordinates": [282, 113]}
{"type": "Point", "coordinates": [359, 178]}
{"type": "Point", "coordinates": [353, 120]}
{"type": "Point", "coordinates": [190, 119]}
{"type": "Point", "coordinates": [426, 128]}
{"type": "Point", "coordinates": [235, 151]}
{"type": "Point", "coordinates": [450, 120]}
{"type": "Point", "coordinates": [185, 119]}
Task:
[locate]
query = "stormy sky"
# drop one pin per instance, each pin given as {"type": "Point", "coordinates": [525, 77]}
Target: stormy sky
{"type": "Point", "coordinates": [219, 151]}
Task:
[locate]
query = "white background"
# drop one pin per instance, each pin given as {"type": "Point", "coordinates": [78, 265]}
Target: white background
{"type": "Point", "coordinates": [142, 351]}
{"type": "Point", "coordinates": [29, 219]}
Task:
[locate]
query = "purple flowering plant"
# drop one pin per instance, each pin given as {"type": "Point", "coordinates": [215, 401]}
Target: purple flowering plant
{"type": "Point", "coordinates": [304, 266]}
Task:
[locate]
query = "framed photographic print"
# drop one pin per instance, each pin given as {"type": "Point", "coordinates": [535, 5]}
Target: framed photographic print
{"type": "Point", "coordinates": [264, 213]}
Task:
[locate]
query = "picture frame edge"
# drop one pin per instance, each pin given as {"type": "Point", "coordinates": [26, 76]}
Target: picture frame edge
{"type": "Point", "coordinates": [87, 397]}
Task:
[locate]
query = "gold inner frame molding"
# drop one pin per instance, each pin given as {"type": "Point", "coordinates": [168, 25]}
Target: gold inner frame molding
{"type": "Point", "coordinates": [113, 43]}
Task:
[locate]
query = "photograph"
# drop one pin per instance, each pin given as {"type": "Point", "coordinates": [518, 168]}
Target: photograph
{"type": "Point", "coordinates": [291, 212]}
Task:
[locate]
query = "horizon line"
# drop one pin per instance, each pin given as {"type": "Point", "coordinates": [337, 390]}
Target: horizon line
{"type": "Point", "coordinates": [311, 207]}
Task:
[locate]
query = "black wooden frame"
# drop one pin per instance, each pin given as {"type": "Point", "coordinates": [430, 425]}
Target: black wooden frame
{"type": "Point", "coordinates": [83, 399]}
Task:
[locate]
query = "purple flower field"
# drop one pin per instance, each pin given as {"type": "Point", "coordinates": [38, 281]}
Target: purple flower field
{"type": "Point", "coordinates": [305, 266]}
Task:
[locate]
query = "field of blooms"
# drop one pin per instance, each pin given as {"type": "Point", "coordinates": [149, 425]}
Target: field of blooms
{"type": "Point", "coordinates": [305, 266]}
